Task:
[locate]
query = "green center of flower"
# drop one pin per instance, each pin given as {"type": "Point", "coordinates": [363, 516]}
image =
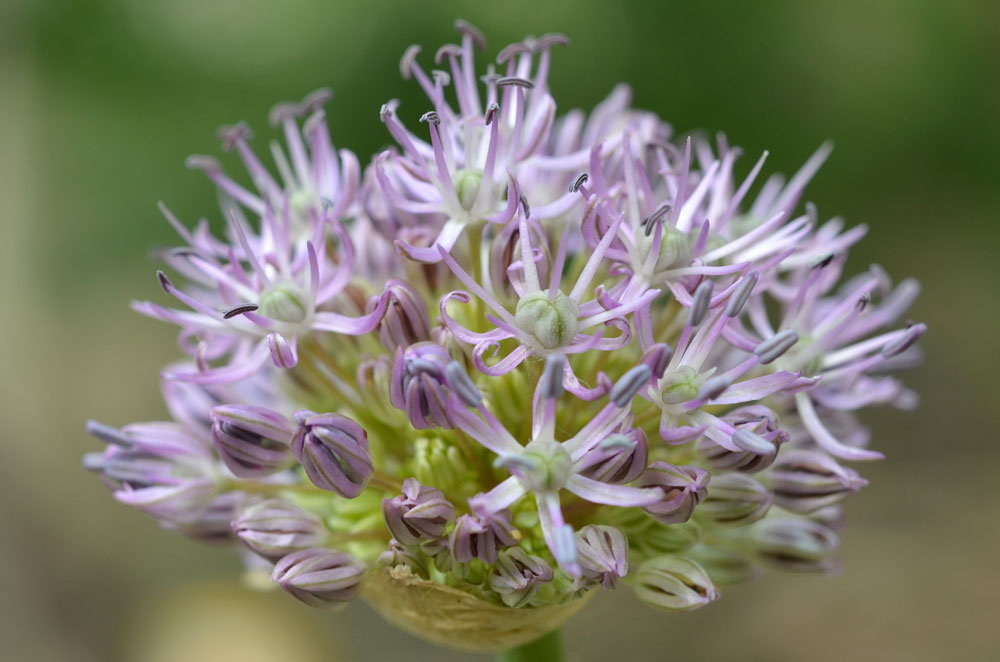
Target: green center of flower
{"type": "Point", "coordinates": [466, 182]}
{"type": "Point", "coordinates": [284, 302]}
{"type": "Point", "coordinates": [545, 466]}
{"type": "Point", "coordinates": [680, 385]}
{"type": "Point", "coordinates": [552, 322]}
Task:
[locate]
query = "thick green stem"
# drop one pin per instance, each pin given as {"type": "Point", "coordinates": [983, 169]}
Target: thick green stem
{"type": "Point", "coordinates": [547, 649]}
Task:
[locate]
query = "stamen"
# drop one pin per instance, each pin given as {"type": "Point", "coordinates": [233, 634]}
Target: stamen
{"type": "Point", "coordinates": [550, 40]}
{"type": "Point", "coordinates": [775, 346]}
{"type": "Point", "coordinates": [232, 134]}
{"type": "Point", "coordinates": [617, 442]}
{"type": "Point", "coordinates": [580, 180]}
{"type": "Point", "coordinates": [93, 462]}
{"type": "Point", "coordinates": [904, 342]}
{"type": "Point", "coordinates": [473, 32]}
{"type": "Point", "coordinates": [407, 61]}
{"type": "Point", "coordinates": [524, 204]}
{"type": "Point", "coordinates": [164, 281]}
{"type": "Point", "coordinates": [452, 50]}
{"type": "Point", "coordinates": [442, 77]}
{"type": "Point", "coordinates": [753, 443]}
{"type": "Point", "coordinates": [108, 434]}
{"type": "Point", "coordinates": [431, 116]}
{"type": "Point", "coordinates": [461, 384]}
{"type": "Point", "coordinates": [738, 299]}
{"type": "Point", "coordinates": [713, 388]}
{"type": "Point", "coordinates": [315, 101]}
{"type": "Point", "coordinates": [201, 162]}
{"type": "Point", "coordinates": [491, 113]}
{"type": "Point", "coordinates": [281, 112]}
{"type": "Point", "coordinates": [507, 52]}
{"type": "Point", "coordinates": [239, 310]}
{"type": "Point", "coordinates": [550, 384]}
{"type": "Point", "coordinates": [700, 303]}
{"type": "Point", "coordinates": [515, 81]}
{"type": "Point", "coordinates": [628, 386]}
{"type": "Point", "coordinates": [824, 261]}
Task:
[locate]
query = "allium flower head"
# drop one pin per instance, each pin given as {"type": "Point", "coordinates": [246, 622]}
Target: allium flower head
{"type": "Point", "coordinates": [520, 355]}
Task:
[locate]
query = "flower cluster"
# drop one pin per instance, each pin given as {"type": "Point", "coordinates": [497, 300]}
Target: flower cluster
{"type": "Point", "coordinates": [521, 355]}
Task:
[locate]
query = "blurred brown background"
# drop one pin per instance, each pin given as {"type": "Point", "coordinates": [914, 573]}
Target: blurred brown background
{"type": "Point", "coordinates": [101, 100]}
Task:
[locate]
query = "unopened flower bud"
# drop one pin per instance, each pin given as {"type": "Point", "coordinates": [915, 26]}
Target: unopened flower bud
{"type": "Point", "coordinates": [552, 322]}
{"type": "Point", "coordinates": [795, 544]}
{"type": "Point", "coordinates": [419, 513]}
{"type": "Point", "coordinates": [334, 452]}
{"type": "Point", "coordinates": [482, 536]}
{"type": "Point", "coordinates": [213, 523]}
{"type": "Point", "coordinates": [406, 321]}
{"type": "Point", "coordinates": [725, 564]}
{"type": "Point", "coordinates": [620, 458]}
{"type": "Point", "coordinates": [320, 577]}
{"type": "Point", "coordinates": [602, 552]}
{"type": "Point", "coordinates": [684, 488]}
{"type": "Point", "coordinates": [804, 481]}
{"type": "Point", "coordinates": [418, 385]}
{"type": "Point", "coordinates": [674, 584]}
{"type": "Point", "coordinates": [275, 528]}
{"type": "Point", "coordinates": [252, 441]}
{"type": "Point", "coordinates": [734, 499]}
{"type": "Point", "coordinates": [517, 576]}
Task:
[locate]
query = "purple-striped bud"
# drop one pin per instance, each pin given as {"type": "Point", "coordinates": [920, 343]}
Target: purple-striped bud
{"type": "Point", "coordinates": [482, 536]}
{"type": "Point", "coordinates": [804, 481]}
{"type": "Point", "coordinates": [159, 468]}
{"type": "Point", "coordinates": [406, 321]}
{"type": "Point", "coordinates": [334, 452]}
{"type": "Point", "coordinates": [734, 499]}
{"type": "Point", "coordinates": [214, 524]}
{"type": "Point", "coordinates": [602, 552]}
{"type": "Point", "coordinates": [684, 488]}
{"type": "Point", "coordinates": [517, 577]}
{"type": "Point", "coordinates": [320, 577]}
{"type": "Point", "coordinates": [756, 435]}
{"type": "Point", "coordinates": [276, 528]}
{"type": "Point", "coordinates": [252, 441]}
{"type": "Point", "coordinates": [674, 584]}
{"type": "Point", "coordinates": [795, 544]}
{"type": "Point", "coordinates": [419, 514]}
{"type": "Point", "coordinates": [724, 564]}
{"type": "Point", "coordinates": [418, 385]}
{"type": "Point", "coordinates": [618, 459]}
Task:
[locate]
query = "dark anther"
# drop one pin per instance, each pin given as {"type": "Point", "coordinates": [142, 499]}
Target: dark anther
{"type": "Point", "coordinates": [239, 310]}
{"type": "Point", "coordinates": [491, 113]}
{"type": "Point", "coordinates": [514, 80]}
{"type": "Point", "coordinates": [578, 182]}
{"type": "Point", "coordinates": [430, 116]}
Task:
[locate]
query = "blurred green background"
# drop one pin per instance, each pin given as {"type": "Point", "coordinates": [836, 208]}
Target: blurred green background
{"type": "Point", "coordinates": [101, 100]}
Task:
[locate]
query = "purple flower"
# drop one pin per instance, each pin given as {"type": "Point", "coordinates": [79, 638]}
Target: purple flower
{"type": "Point", "coordinates": [275, 528]}
{"type": "Point", "coordinates": [517, 576]}
{"type": "Point", "coordinates": [420, 513]}
{"type": "Point", "coordinates": [544, 466]}
{"type": "Point", "coordinates": [320, 577]}
{"type": "Point", "coordinates": [334, 452]}
{"type": "Point", "coordinates": [674, 584]}
{"type": "Point", "coordinates": [159, 468]}
{"type": "Point", "coordinates": [682, 488]}
{"type": "Point", "coordinates": [804, 481]}
{"type": "Point", "coordinates": [603, 554]}
{"type": "Point", "coordinates": [252, 441]}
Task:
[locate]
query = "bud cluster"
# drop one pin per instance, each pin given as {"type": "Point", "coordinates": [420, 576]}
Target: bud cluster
{"type": "Point", "coordinates": [519, 355]}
